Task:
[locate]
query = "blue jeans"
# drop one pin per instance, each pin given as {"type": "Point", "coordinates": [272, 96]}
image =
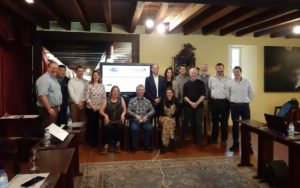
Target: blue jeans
{"type": "Point", "coordinates": [239, 110]}
{"type": "Point", "coordinates": [134, 129]}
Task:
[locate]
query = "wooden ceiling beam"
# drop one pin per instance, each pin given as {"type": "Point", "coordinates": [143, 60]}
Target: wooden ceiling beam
{"type": "Point", "coordinates": [83, 20]}
{"type": "Point", "coordinates": [233, 17]}
{"type": "Point", "coordinates": [206, 17]}
{"type": "Point", "coordinates": [186, 15]}
{"type": "Point", "coordinates": [160, 16]}
{"type": "Point", "coordinates": [273, 22]}
{"type": "Point", "coordinates": [107, 14]}
{"type": "Point", "coordinates": [136, 16]}
{"type": "Point", "coordinates": [24, 14]}
{"type": "Point", "coordinates": [275, 29]}
{"type": "Point", "coordinates": [252, 20]}
{"type": "Point", "coordinates": [283, 4]}
{"type": "Point", "coordinates": [52, 10]}
{"type": "Point", "coordinates": [281, 33]}
{"type": "Point", "coordinates": [292, 36]}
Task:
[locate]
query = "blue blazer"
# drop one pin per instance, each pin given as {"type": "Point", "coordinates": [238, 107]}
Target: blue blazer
{"type": "Point", "coordinates": [150, 88]}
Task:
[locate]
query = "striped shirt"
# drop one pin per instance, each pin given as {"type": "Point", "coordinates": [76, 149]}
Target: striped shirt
{"type": "Point", "coordinates": [140, 106]}
{"type": "Point", "coordinates": [47, 85]}
{"type": "Point", "coordinates": [241, 92]}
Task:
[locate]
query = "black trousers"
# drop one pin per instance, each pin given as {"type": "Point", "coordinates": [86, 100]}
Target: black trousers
{"type": "Point", "coordinates": [113, 132]}
{"type": "Point", "coordinates": [220, 113]}
{"type": "Point", "coordinates": [92, 127]}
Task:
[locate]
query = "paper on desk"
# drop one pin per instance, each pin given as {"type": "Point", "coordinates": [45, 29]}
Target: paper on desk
{"type": "Point", "coordinates": [19, 179]}
{"type": "Point", "coordinates": [57, 132]}
{"type": "Point", "coordinates": [12, 117]}
{"type": "Point", "coordinates": [30, 116]}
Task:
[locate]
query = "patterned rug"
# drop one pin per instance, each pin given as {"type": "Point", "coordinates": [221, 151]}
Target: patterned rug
{"type": "Point", "coordinates": [206, 172]}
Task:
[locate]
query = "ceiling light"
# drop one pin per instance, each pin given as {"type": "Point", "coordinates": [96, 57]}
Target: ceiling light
{"type": "Point", "coordinates": [161, 28]}
{"type": "Point", "coordinates": [296, 29]}
{"type": "Point", "coordinates": [149, 23]}
{"type": "Point", "coordinates": [88, 70]}
{"type": "Point", "coordinates": [29, 1]}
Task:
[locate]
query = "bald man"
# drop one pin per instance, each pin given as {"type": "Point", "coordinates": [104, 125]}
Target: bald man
{"type": "Point", "coordinates": [194, 95]}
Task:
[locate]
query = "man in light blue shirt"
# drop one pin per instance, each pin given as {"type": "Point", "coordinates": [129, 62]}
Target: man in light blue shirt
{"type": "Point", "coordinates": [49, 96]}
{"type": "Point", "coordinates": [239, 91]}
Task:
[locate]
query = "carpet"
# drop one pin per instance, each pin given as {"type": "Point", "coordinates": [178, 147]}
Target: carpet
{"type": "Point", "coordinates": [206, 172]}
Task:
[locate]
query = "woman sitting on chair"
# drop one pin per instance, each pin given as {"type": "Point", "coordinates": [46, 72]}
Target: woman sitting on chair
{"type": "Point", "coordinates": [167, 120]}
{"type": "Point", "coordinates": [113, 111]}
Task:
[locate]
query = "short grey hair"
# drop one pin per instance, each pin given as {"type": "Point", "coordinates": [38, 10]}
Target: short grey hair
{"type": "Point", "coordinates": [138, 86]}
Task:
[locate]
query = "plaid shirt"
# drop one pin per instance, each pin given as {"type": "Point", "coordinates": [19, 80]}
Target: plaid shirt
{"type": "Point", "coordinates": [140, 106]}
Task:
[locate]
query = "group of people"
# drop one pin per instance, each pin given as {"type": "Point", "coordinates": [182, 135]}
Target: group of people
{"type": "Point", "coordinates": [169, 100]}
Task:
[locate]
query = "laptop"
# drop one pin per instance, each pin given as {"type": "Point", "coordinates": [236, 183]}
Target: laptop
{"type": "Point", "coordinates": [277, 123]}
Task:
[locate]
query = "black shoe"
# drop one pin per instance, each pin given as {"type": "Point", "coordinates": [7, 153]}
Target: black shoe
{"type": "Point", "coordinates": [133, 150]}
{"type": "Point", "coordinates": [148, 150]}
{"type": "Point", "coordinates": [209, 139]}
{"type": "Point", "coordinates": [162, 150]}
{"type": "Point", "coordinates": [234, 148]}
{"type": "Point", "coordinates": [173, 145]}
{"type": "Point", "coordinates": [251, 150]}
{"type": "Point", "coordinates": [213, 141]}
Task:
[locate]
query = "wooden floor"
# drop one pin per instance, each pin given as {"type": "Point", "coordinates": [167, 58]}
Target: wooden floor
{"type": "Point", "coordinates": [92, 155]}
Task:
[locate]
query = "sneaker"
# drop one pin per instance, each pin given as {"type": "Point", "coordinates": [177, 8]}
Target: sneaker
{"type": "Point", "coordinates": [234, 148]}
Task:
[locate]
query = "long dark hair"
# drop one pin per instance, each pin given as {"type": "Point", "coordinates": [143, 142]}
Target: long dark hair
{"type": "Point", "coordinates": [114, 87]}
{"type": "Point", "coordinates": [173, 98]}
{"type": "Point", "coordinates": [169, 68]}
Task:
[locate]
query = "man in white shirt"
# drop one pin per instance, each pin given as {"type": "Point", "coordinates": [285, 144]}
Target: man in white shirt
{"type": "Point", "coordinates": [219, 104]}
{"type": "Point", "coordinates": [77, 87]}
{"type": "Point", "coordinates": [240, 92]}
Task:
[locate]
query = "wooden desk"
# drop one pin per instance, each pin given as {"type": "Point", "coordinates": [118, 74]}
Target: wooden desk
{"type": "Point", "coordinates": [266, 137]}
{"type": "Point", "coordinates": [16, 127]}
{"type": "Point", "coordinates": [70, 142]}
{"type": "Point", "coordinates": [55, 161]}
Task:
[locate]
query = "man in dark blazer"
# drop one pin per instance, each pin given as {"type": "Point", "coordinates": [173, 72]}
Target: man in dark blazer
{"type": "Point", "coordinates": [155, 86]}
{"type": "Point", "coordinates": [62, 117]}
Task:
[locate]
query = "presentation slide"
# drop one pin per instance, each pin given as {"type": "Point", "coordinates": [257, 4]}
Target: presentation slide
{"type": "Point", "coordinates": [127, 77]}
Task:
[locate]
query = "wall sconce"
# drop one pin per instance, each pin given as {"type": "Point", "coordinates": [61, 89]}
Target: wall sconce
{"type": "Point", "coordinates": [296, 29]}
{"type": "Point", "coordinates": [161, 28]}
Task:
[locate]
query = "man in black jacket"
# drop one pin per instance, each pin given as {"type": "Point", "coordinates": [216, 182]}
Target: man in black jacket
{"type": "Point", "coordinates": [155, 87]}
{"type": "Point", "coordinates": [62, 117]}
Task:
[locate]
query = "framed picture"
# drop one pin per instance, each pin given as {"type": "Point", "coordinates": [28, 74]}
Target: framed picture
{"type": "Point", "coordinates": [282, 69]}
{"type": "Point", "coordinates": [182, 60]}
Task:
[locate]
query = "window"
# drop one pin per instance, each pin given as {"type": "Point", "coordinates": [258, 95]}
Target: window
{"type": "Point", "coordinates": [235, 58]}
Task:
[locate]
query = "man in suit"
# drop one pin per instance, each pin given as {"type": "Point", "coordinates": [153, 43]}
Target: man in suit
{"type": "Point", "coordinates": [155, 86]}
{"type": "Point", "coordinates": [62, 117]}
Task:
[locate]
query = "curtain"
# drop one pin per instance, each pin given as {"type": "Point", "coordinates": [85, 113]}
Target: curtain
{"type": "Point", "coordinates": [15, 69]}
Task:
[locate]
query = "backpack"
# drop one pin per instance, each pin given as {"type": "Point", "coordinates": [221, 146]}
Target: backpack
{"type": "Point", "coordinates": [286, 107]}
